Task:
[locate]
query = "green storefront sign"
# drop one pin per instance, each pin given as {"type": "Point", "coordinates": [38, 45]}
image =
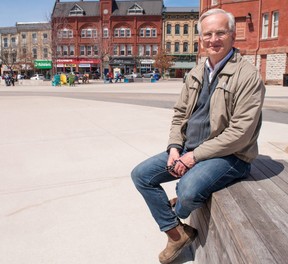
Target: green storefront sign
{"type": "Point", "coordinates": [43, 64]}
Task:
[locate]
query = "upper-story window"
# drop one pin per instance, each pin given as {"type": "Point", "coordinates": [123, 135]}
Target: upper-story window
{"type": "Point", "coordinates": [265, 24]}
{"type": "Point", "coordinates": [105, 32]}
{"type": "Point", "coordinates": [196, 29]}
{"type": "Point", "coordinates": [13, 42]}
{"type": "Point", "coordinates": [122, 32]}
{"type": "Point", "coordinates": [76, 11]}
{"type": "Point", "coordinates": [168, 29]}
{"type": "Point", "coordinates": [65, 33]}
{"type": "Point", "coordinates": [185, 47]}
{"type": "Point", "coordinates": [5, 42]}
{"type": "Point", "coordinates": [168, 46]}
{"type": "Point", "coordinates": [176, 47]}
{"type": "Point", "coordinates": [185, 29]}
{"type": "Point", "coordinates": [214, 2]}
{"type": "Point", "coordinates": [34, 53]}
{"type": "Point", "coordinates": [45, 38]}
{"type": "Point", "coordinates": [34, 38]}
{"type": "Point", "coordinates": [275, 23]}
{"type": "Point", "coordinates": [148, 32]}
{"type": "Point", "coordinates": [45, 53]}
{"type": "Point", "coordinates": [135, 10]}
{"type": "Point", "coordinates": [24, 40]}
{"type": "Point", "coordinates": [177, 29]}
{"type": "Point", "coordinates": [195, 46]}
{"type": "Point", "coordinates": [89, 33]}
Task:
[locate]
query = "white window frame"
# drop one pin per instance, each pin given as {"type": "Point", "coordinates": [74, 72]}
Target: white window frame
{"type": "Point", "coordinates": [129, 50]}
{"type": "Point", "coordinates": [265, 25]}
{"type": "Point", "coordinates": [275, 24]}
{"type": "Point", "coordinates": [141, 50]}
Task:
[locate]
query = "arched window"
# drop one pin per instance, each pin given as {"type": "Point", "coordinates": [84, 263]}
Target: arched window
{"type": "Point", "coordinates": [148, 32]}
{"type": "Point", "coordinates": [89, 33]}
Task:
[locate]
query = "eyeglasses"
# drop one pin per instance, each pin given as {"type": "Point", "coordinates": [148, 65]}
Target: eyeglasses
{"type": "Point", "coordinates": [219, 34]}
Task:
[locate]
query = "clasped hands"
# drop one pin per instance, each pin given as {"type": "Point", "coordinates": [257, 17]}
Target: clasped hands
{"type": "Point", "coordinates": [177, 166]}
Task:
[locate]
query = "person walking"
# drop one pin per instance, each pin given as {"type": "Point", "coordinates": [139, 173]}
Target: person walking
{"type": "Point", "coordinates": [213, 134]}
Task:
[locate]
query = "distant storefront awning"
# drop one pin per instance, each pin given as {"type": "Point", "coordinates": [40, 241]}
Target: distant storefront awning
{"type": "Point", "coordinates": [122, 61]}
{"type": "Point", "coordinates": [43, 64]}
{"type": "Point", "coordinates": [183, 65]}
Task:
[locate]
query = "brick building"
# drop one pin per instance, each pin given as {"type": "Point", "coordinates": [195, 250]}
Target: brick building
{"type": "Point", "coordinates": [25, 48]}
{"type": "Point", "coordinates": [106, 34]}
{"type": "Point", "coordinates": [180, 37]}
{"type": "Point", "coordinates": [261, 33]}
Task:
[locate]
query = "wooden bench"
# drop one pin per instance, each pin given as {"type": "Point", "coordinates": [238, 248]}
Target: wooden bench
{"type": "Point", "coordinates": [246, 222]}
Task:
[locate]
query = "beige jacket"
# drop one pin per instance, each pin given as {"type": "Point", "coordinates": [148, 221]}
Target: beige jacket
{"type": "Point", "coordinates": [235, 111]}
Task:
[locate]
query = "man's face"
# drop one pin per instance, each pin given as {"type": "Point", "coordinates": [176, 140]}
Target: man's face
{"type": "Point", "coordinates": [216, 38]}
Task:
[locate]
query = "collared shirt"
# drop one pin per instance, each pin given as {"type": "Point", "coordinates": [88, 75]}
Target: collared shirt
{"type": "Point", "coordinates": [218, 65]}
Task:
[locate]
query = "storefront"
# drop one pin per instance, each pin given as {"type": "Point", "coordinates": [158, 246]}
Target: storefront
{"type": "Point", "coordinates": [78, 65]}
{"type": "Point", "coordinates": [126, 65]}
{"type": "Point", "coordinates": [178, 69]}
{"type": "Point", "coordinates": [146, 66]}
{"type": "Point", "coordinates": [44, 67]}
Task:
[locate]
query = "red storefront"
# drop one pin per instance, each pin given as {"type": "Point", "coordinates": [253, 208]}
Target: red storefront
{"type": "Point", "coordinates": [78, 65]}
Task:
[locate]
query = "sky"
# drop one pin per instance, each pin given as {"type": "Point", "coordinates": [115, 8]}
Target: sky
{"type": "Point", "coordinates": [39, 10]}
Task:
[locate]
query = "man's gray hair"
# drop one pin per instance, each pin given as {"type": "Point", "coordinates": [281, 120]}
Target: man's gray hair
{"type": "Point", "coordinates": [231, 19]}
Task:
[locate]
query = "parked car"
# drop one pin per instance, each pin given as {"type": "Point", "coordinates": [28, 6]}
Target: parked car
{"type": "Point", "coordinates": [38, 77]}
{"type": "Point", "coordinates": [133, 75]}
{"type": "Point", "coordinates": [155, 75]}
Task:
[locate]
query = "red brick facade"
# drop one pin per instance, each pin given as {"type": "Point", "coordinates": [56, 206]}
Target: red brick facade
{"type": "Point", "coordinates": [119, 40]}
{"type": "Point", "coordinates": [261, 27]}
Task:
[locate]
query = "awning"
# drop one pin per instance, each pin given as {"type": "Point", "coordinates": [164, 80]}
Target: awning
{"type": "Point", "coordinates": [183, 65]}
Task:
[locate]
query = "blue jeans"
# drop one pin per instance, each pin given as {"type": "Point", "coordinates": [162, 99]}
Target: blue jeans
{"type": "Point", "coordinates": [193, 188]}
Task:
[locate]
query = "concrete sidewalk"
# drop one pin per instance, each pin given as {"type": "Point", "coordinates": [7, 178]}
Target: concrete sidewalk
{"type": "Point", "coordinates": [66, 193]}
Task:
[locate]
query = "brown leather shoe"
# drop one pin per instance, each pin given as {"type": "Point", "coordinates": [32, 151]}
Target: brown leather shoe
{"type": "Point", "coordinates": [174, 248]}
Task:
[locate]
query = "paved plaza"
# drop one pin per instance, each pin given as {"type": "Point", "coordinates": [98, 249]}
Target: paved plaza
{"type": "Point", "coordinates": [66, 193]}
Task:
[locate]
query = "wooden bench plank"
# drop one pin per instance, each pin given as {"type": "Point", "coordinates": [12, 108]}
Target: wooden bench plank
{"type": "Point", "coordinates": [268, 219]}
{"type": "Point", "coordinates": [251, 247]}
{"type": "Point", "coordinates": [271, 170]}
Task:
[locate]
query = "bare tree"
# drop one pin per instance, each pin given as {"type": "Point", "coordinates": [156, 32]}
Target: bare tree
{"type": "Point", "coordinates": [163, 61]}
